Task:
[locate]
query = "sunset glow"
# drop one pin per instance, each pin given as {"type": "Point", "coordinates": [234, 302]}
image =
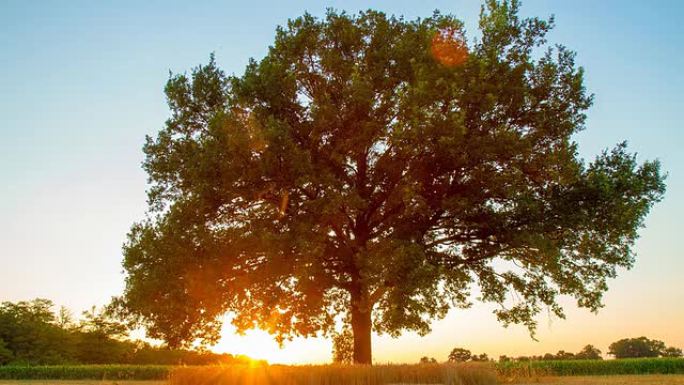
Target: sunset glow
{"type": "Point", "coordinates": [344, 184]}
{"type": "Point", "coordinates": [259, 345]}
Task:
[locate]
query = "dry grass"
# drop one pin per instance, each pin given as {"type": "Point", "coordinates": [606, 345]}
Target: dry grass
{"type": "Point", "coordinates": [464, 374]}
{"type": "Point", "coordinates": [652, 379]}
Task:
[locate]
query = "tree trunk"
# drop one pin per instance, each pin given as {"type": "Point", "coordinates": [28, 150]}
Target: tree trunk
{"type": "Point", "coordinates": [361, 327]}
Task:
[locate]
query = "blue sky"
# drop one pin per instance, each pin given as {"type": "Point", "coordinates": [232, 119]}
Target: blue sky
{"type": "Point", "coordinates": [81, 85]}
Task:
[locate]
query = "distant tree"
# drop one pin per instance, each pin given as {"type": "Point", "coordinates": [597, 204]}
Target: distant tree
{"type": "Point", "coordinates": [99, 338]}
{"type": "Point", "coordinates": [672, 352]}
{"type": "Point", "coordinates": [460, 355]}
{"type": "Point", "coordinates": [380, 168]}
{"type": "Point", "coordinates": [428, 360]}
{"type": "Point", "coordinates": [101, 322]}
{"type": "Point", "coordinates": [636, 347]}
{"type": "Point", "coordinates": [589, 352]}
{"type": "Point", "coordinates": [505, 358]}
{"type": "Point", "coordinates": [65, 318]}
{"type": "Point", "coordinates": [563, 355]}
{"type": "Point", "coordinates": [30, 333]}
{"type": "Point", "coordinates": [5, 354]}
{"type": "Point", "coordinates": [549, 357]}
{"type": "Point", "coordinates": [145, 354]}
{"type": "Point", "coordinates": [481, 357]}
{"type": "Point", "coordinates": [343, 347]}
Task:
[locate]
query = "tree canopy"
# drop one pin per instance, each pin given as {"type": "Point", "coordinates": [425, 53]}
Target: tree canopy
{"type": "Point", "coordinates": [355, 175]}
{"type": "Point", "coordinates": [589, 352]}
{"type": "Point", "coordinates": [31, 334]}
{"type": "Point", "coordinates": [641, 347]}
{"type": "Point", "coordinates": [459, 355]}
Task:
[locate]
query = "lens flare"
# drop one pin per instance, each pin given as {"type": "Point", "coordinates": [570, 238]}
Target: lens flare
{"type": "Point", "coordinates": [449, 47]}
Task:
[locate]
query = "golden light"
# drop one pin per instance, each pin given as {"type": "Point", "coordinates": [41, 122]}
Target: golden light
{"type": "Point", "coordinates": [259, 345]}
{"type": "Point", "coordinates": [449, 47]}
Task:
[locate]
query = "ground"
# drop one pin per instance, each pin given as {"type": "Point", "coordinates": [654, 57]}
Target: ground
{"type": "Point", "coordinates": [570, 380]}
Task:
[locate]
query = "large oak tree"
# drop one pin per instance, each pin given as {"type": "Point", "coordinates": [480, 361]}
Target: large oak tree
{"type": "Point", "coordinates": [354, 175]}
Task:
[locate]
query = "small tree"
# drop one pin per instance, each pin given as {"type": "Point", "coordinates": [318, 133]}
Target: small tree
{"type": "Point", "coordinates": [636, 347]}
{"type": "Point", "coordinates": [672, 352]}
{"type": "Point", "coordinates": [481, 357]}
{"type": "Point", "coordinates": [460, 355]}
{"type": "Point", "coordinates": [563, 355]}
{"type": "Point", "coordinates": [428, 360]}
{"type": "Point", "coordinates": [589, 352]}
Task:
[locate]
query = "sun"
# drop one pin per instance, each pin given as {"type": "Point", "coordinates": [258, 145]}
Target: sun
{"type": "Point", "coordinates": [259, 345]}
{"type": "Point", "coordinates": [256, 344]}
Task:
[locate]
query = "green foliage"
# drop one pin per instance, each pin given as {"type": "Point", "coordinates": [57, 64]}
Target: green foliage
{"type": "Point", "coordinates": [98, 340]}
{"type": "Point", "coordinates": [86, 372]}
{"type": "Point", "coordinates": [5, 354]}
{"type": "Point", "coordinates": [589, 352]}
{"type": "Point", "coordinates": [636, 347]}
{"type": "Point", "coordinates": [562, 355]}
{"type": "Point", "coordinates": [30, 334]}
{"type": "Point", "coordinates": [591, 367]}
{"type": "Point", "coordinates": [350, 174]}
{"type": "Point", "coordinates": [672, 352]}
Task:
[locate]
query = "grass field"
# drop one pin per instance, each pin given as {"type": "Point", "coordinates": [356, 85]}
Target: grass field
{"type": "Point", "coordinates": [649, 379]}
{"type": "Point", "coordinates": [86, 372]}
{"type": "Point", "coordinates": [647, 371]}
{"type": "Point", "coordinates": [449, 374]}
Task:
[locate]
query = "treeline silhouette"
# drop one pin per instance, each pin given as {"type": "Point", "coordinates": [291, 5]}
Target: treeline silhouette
{"type": "Point", "coordinates": [32, 334]}
{"type": "Point", "coordinates": [640, 347]}
{"type": "Point", "coordinates": [589, 352]}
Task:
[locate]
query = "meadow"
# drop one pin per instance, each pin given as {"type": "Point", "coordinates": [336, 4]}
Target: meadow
{"type": "Point", "coordinates": [562, 372]}
{"type": "Point", "coordinates": [86, 372]}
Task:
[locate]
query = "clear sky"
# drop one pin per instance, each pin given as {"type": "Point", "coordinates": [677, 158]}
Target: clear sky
{"type": "Point", "coordinates": [81, 85]}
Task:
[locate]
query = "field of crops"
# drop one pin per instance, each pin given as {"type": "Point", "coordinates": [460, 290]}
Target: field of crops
{"type": "Point", "coordinates": [86, 372]}
{"type": "Point", "coordinates": [641, 379]}
{"type": "Point", "coordinates": [592, 367]}
{"type": "Point", "coordinates": [452, 374]}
